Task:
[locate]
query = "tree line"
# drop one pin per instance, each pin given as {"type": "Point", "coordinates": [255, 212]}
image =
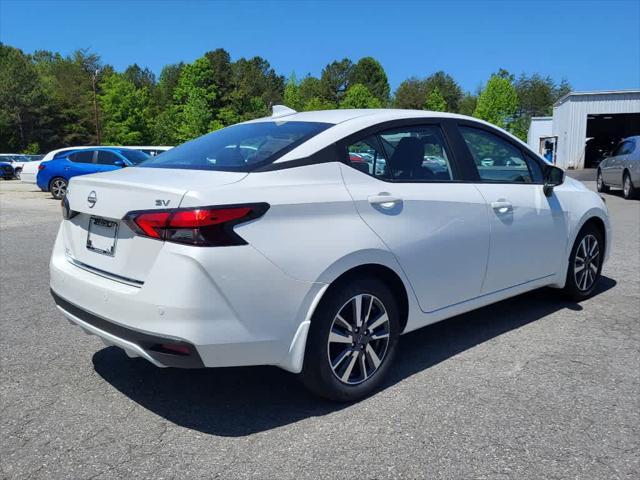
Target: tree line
{"type": "Point", "coordinates": [49, 101]}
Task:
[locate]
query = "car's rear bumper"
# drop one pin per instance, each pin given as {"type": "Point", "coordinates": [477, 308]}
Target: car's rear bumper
{"type": "Point", "coordinates": [135, 343]}
{"type": "Point", "coordinates": [28, 177]}
{"type": "Point", "coordinates": [234, 309]}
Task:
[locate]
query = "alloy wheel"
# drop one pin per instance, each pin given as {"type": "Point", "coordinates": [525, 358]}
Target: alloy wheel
{"type": "Point", "coordinates": [587, 262]}
{"type": "Point", "coordinates": [358, 339]}
{"type": "Point", "coordinates": [626, 186]}
{"type": "Point", "coordinates": [58, 188]}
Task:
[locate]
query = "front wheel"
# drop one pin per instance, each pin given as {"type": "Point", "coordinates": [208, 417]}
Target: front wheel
{"type": "Point", "coordinates": [628, 190]}
{"type": "Point", "coordinates": [17, 173]}
{"type": "Point", "coordinates": [600, 183]}
{"type": "Point", "coordinates": [352, 340]}
{"type": "Point", "coordinates": [585, 263]}
{"type": "Point", "coordinates": [58, 188]}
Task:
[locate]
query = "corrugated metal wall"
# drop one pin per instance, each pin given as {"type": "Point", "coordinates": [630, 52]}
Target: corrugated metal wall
{"type": "Point", "coordinates": [540, 127]}
{"type": "Point", "coordinates": [570, 121]}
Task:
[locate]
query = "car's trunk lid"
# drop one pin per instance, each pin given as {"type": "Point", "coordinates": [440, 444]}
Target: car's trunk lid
{"type": "Point", "coordinates": [97, 238]}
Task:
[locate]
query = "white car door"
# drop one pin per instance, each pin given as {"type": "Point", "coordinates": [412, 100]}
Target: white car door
{"type": "Point", "coordinates": [435, 226]}
{"type": "Point", "coordinates": [528, 229]}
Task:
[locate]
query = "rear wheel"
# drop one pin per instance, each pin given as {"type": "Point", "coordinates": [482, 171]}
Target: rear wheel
{"type": "Point", "coordinates": [352, 340]}
{"type": "Point", "coordinates": [600, 183]}
{"type": "Point", "coordinates": [58, 187]}
{"type": "Point", "coordinates": [585, 263]}
{"type": "Point", "coordinates": [628, 190]}
{"type": "Point", "coordinates": [17, 173]}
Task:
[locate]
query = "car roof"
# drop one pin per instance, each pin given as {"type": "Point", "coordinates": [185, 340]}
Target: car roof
{"type": "Point", "coordinates": [374, 115]}
{"type": "Point", "coordinates": [349, 121]}
{"type": "Point", "coordinates": [52, 153]}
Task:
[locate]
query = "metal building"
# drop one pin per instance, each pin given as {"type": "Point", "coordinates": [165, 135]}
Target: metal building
{"type": "Point", "coordinates": [586, 126]}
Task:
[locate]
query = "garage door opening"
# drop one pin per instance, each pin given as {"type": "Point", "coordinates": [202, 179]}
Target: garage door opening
{"type": "Point", "coordinates": [605, 131]}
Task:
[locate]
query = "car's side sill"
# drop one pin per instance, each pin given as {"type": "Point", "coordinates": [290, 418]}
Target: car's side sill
{"type": "Point", "coordinates": [422, 319]}
{"type": "Point", "coordinates": [492, 293]}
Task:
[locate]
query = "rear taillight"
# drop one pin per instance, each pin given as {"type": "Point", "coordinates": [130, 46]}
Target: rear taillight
{"type": "Point", "coordinates": [203, 226]}
{"type": "Point", "coordinates": [41, 167]}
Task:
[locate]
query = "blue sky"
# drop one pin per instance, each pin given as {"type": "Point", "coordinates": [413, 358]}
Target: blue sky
{"type": "Point", "coordinates": [594, 44]}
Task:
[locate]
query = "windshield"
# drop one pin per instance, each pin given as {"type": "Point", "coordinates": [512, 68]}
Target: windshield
{"type": "Point", "coordinates": [241, 148]}
{"type": "Point", "coordinates": [134, 156]}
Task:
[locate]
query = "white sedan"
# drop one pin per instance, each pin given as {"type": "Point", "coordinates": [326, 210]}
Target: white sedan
{"type": "Point", "coordinates": [267, 243]}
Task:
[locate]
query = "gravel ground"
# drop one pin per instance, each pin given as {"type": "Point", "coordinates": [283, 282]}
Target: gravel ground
{"type": "Point", "coordinates": [532, 387]}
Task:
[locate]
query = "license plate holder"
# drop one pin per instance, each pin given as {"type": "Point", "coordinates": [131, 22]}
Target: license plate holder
{"type": "Point", "coordinates": [102, 236]}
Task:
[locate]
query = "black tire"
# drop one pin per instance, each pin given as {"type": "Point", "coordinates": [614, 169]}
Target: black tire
{"type": "Point", "coordinates": [600, 183]}
{"type": "Point", "coordinates": [577, 287]}
{"type": "Point", "coordinates": [17, 173]}
{"type": "Point", "coordinates": [628, 190]}
{"type": "Point", "coordinates": [58, 187]}
{"type": "Point", "coordinates": [318, 374]}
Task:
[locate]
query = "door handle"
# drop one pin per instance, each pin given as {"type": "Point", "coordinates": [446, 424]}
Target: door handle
{"type": "Point", "coordinates": [502, 206]}
{"type": "Point", "coordinates": [384, 200]}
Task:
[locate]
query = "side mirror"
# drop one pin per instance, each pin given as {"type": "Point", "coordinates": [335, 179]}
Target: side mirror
{"type": "Point", "coordinates": [119, 163]}
{"type": "Point", "coordinates": [553, 177]}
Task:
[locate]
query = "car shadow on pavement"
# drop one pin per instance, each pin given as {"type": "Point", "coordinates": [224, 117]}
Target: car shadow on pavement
{"type": "Point", "coordinates": [243, 400]}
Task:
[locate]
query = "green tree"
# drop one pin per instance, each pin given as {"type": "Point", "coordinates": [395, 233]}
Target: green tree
{"type": "Point", "coordinates": [535, 95]}
{"type": "Point", "coordinates": [310, 87]}
{"type": "Point", "coordinates": [193, 98]}
{"type": "Point", "coordinates": [435, 101]}
{"type": "Point", "coordinates": [498, 102]}
{"type": "Point", "coordinates": [561, 90]}
{"type": "Point", "coordinates": [140, 77]}
{"type": "Point", "coordinates": [167, 84]}
{"type": "Point", "coordinates": [410, 94]}
{"type": "Point", "coordinates": [69, 83]}
{"type": "Point", "coordinates": [370, 73]}
{"type": "Point", "coordinates": [359, 96]}
{"type": "Point", "coordinates": [335, 79]}
{"type": "Point", "coordinates": [256, 87]}
{"type": "Point", "coordinates": [292, 97]}
{"type": "Point", "coordinates": [318, 103]}
{"type": "Point", "coordinates": [222, 68]}
{"type": "Point", "coordinates": [447, 87]}
{"type": "Point", "coordinates": [28, 109]}
{"type": "Point", "coordinates": [126, 111]}
{"type": "Point", "coordinates": [468, 104]}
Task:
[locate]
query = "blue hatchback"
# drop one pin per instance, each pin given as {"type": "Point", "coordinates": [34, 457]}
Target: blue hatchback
{"type": "Point", "coordinates": [54, 175]}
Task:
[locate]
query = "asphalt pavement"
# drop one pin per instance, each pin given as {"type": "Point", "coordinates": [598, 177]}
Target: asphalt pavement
{"type": "Point", "coordinates": [532, 387]}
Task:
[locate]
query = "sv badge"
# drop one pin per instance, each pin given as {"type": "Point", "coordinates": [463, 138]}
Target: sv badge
{"type": "Point", "coordinates": [162, 203]}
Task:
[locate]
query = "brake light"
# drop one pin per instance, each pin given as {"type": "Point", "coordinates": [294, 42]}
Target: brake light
{"type": "Point", "coordinates": [202, 226]}
{"type": "Point", "coordinates": [41, 166]}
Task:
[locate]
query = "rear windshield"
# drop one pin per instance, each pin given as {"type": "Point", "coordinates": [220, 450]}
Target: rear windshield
{"type": "Point", "coordinates": [134, 156]}
{"type": "Point", "coordinates": [239, 148]}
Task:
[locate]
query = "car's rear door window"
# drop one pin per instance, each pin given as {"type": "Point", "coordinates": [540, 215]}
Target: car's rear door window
{"type": "Point", "coordinates": [84, 156]}
{"type": "Point", "coordinates": [368, 156]}
{"type": "Point", "coordinates": [417, 153]}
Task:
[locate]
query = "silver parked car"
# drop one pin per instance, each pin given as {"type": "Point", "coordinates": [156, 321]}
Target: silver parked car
{"type": "Point", "coordinates": [622, 168]}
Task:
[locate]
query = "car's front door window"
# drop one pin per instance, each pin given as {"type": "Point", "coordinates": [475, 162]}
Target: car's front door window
{"type": "Point", "coordinates": [498, 160]}
{"type": "Point", "coordinates": [107, 158]}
